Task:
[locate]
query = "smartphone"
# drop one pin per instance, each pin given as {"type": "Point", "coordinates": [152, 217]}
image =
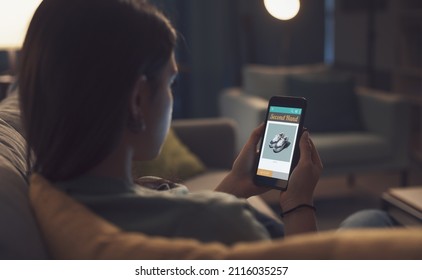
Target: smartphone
{"type": "Point", "coordinates": [279, 151]}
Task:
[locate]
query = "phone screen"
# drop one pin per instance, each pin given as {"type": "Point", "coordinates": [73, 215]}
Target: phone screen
{"type": "Point", "coordinates": [279, 142]}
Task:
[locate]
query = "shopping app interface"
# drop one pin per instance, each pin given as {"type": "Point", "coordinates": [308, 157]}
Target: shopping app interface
{"type": "Point", "coordinates": [279, 142]}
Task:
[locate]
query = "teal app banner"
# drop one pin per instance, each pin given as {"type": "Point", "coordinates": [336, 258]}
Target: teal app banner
{"type": "Point", "coordinates": [285, 110]}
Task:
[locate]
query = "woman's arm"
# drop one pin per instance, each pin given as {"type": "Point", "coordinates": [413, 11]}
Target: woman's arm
{"type": "Point", "coordinates": [239, 181]}
{"type": "Point", "coordinates": [301, 190]}
{"type": "Point", "coordinates": [302, 183]}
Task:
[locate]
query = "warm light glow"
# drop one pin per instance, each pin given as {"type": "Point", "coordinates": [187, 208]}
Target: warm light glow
{"type": "Point", "coordinates": [282, 9]}
{"type": "Point", "coordinates": [15, 16]}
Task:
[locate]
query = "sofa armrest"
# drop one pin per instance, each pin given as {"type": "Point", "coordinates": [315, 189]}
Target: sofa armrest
{"type": "Point", "coordinates": [387, 115]}
{"type": "Point", "coordinates": [212, 140]}
{"type": "Point", "coordinates": [248, 111]}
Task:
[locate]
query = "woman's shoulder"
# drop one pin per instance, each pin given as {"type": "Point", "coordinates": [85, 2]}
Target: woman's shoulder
{"type": "Point", "coordinates": [173, 211]}
{"type": "Point", "coordinates": [210, 215]}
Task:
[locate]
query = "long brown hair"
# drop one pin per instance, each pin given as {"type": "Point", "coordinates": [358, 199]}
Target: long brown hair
{"type": "Point", "coordinates": [79, 62]}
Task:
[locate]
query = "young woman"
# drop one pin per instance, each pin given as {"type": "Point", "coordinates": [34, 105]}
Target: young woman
{"type": "Point", "coordinates": [95, 91]}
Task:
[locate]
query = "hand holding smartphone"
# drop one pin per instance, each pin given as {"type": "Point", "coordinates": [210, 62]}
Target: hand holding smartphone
{"type": "Point", "coordinates": [279, 151]}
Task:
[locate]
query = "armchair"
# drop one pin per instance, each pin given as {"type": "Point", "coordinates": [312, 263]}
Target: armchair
{"type": "Point", "coordinates": [381, 144]}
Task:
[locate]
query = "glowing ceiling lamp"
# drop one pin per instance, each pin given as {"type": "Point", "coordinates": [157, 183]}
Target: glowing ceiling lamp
{"type": "Point", "coordinates": [282, 9]}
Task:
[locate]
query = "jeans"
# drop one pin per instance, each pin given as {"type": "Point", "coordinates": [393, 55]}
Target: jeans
{"type": "Point", "coordinates": [368, 219]}
{"type": "Point", "coordinates": [372, 218]}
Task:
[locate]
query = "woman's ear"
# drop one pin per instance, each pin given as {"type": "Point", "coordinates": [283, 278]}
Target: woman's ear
{"type": "Point", "coordinates": [139, 96]}
{"type": "Point", "coordinates": [138, 102]}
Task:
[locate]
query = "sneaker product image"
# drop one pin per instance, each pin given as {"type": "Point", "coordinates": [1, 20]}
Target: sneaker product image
{"type": "Point", "coordinates": [276, 139]}
{"type": "Point", "coordinates": [279, 142]}
{"type": "Point", "coordinates": [281, 145]}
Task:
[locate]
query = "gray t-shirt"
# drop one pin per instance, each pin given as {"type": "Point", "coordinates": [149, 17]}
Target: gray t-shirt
{"type": "Point", "coordinates": [169, 210]}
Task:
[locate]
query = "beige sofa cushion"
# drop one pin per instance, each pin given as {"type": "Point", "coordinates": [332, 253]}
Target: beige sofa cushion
{"type": "Point", "coordinates": [175, 162]}
{"type": "Point", "coordinates": [71, 231]}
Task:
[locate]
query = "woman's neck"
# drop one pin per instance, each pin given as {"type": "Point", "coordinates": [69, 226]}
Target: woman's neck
{"type": "Point", "coordinates": [117, 164]}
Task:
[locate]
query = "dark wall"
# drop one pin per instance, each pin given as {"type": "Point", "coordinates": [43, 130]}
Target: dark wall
{"type": "Point", "coordinates": [365, 40]}
{"type": "Point", "coordinates": [301, 39]}
{"type": "Point", "coordinates": [220, 36]}
{"type": "Point", "coordinates": [4, 62]}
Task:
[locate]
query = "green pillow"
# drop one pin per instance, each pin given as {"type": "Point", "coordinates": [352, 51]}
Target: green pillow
{"type": "Point", "coordinates": [175, 162]}
{"type": "Point", "coordinates": [332, 102]}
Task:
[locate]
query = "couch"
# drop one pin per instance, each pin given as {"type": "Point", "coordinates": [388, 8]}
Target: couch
{"type": "Point", "coordinates": [73, 232]}
{"type": "Point", "coordinates": [211, 140]}
{"type": "Point", "coordinates": [19, 234]}
{"type": "Point", "coordinates": [41, 222]}
{"type": "Point", "coordinates": [379, 144]}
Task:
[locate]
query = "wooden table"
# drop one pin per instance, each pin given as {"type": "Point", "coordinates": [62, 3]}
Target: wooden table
{"type": "Point", "coordinates": [404, 205]}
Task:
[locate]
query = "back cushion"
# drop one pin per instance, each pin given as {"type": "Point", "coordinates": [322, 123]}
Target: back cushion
{"type": "Point", "coordinates": [175, 162]}
{"type": "Point", "coordinates": [332, 102]}
{"type": "Point", "coordinates": [267, 81]}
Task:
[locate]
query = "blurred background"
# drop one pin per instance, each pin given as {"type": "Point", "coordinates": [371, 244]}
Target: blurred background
{"type": "Point", "coordinates": [379, 42]}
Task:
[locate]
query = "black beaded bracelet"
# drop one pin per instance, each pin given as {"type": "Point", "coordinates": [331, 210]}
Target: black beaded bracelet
{"type": "Point", "coordinates": [282, 214]}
